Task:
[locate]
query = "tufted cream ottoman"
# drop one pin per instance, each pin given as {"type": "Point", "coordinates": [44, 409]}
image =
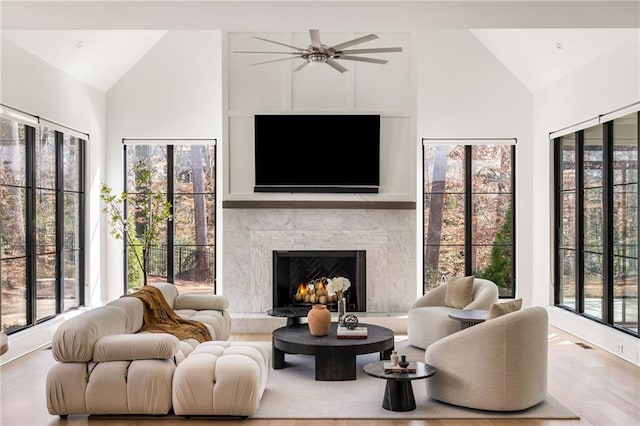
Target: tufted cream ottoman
{"type": "Point", "coordinates": [222, 378]}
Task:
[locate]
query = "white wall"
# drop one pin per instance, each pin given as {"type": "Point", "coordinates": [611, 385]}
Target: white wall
{"type": "Point", "coordinates": [366, 88]}
{"type": "Point", "coordinates": [174, 91]}
{"type": "Point", "coordinates": [35, 87]}
{"type": "Point", "coordinates": [463, 91]}
{"type": "Point", "coordinates": [606, 84]}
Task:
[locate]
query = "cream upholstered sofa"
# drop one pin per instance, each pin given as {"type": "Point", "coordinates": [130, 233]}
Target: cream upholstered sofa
{"type": "Point", "coordinates": [498, 365]}
{"type": "Point", "coordinates": [428, 319]}
{"type": "Point", "coordinates": [105, 366]}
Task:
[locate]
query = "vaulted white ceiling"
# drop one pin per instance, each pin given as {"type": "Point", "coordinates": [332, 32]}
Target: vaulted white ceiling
{"type": "Point", "coordinates": [538, 57]}
{"type": "Point", "coordinates": [538, 41]}
{"type": "Point", "coordinates": [96, 57]}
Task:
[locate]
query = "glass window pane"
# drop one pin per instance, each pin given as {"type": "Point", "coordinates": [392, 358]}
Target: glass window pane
{"type": "Point", "coordinates": [71, 160]}
{"type": "Point", "coordinates": [593, 220]}
{"type": "Point", "coordinates": [567, 263]}
{"type": "Point", "coordinates": [154, 156]}
{"type": "Point", "coordinates": [46, 160]}
{"type": "Point", "coordinates": [625, 219]}
{"type": "Point", "coordinates": [625, 292]}
{"type": "Point", "coordinates": [135, 278]}
{"type": "Point", "coordinates": [491, 219]}
{"type": "Point", "coordinates": [71, 221]}
{"type": "Point", "coordinates": [568, 162]}
{"type": "Point", "coordinates": [494, 263]}
{"type": "Point", "coordinates": [444, 219]}
{"type": "Point", "coordinates": [593, 157]}
{"type": "Point", "coordinates": [444, 168]}
{"type": "Point", "coordinates": [194, 168]}
{"type": "Point", "coordinates": [568, 220]}
{"type": "Point", "coordinates": [625, 149]}
{"type": "Point", "coordinates": [193, 221]}
{"type": "Point", "coordinates": [491, 169]}
{"type": "Point", "coordinates": [194, 254]}
{"type": "Point", "coordinates": [593, 284]}
{"type": "Point", "coordinates": [45, 221]}
{"type": "Point", "coordinates": [45, 286]}
{"type": "Point", "coordinates": [194, 265]}
{"type": "Point", "coordinates": [442, 262]}
{"type": "Point", "coordinates": [13, 281]}
{"type": "Point", "coordinates": [71, 286]}
{"type": "Point", "coordinates": [12, 222]}
{"type": "Point", "coordinates": [12, 153]}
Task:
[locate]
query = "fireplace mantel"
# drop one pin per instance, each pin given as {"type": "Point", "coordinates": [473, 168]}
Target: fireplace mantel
{"type": "Point", "coordinates": [296, 204]}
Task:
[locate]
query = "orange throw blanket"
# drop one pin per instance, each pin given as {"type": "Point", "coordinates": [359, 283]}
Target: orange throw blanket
{"type": "Point", "coordinates": [159, 317]}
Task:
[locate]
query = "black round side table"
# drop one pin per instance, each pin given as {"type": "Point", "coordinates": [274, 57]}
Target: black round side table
{"type": "Point", "coordinates": [398, 394]}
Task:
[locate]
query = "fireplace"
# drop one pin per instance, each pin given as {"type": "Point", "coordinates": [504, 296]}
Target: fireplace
{"type": "Point", "coordinates": [296, 270]}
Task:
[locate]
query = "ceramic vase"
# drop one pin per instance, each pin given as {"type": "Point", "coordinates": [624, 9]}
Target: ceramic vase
{"type": "Point", "coordinates": [403, 361]}
{"type": "Point", "coordinates": [319, 319]}
{"type": "Point", "coordinates": [342, 308]}
{"type": "Point", "coordinates": [394, 358]}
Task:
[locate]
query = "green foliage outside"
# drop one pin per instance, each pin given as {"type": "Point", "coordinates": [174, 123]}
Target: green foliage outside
{"type": "Point", "coordinates": [499, 268]}
{"type": "Point", "coordinates": [135, 277]}
{"type": "Point", "coordinates": [141, 230]}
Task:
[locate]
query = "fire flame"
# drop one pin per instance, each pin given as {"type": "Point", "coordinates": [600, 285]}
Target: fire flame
{"type": "Point", "coordinates": [312, 292]}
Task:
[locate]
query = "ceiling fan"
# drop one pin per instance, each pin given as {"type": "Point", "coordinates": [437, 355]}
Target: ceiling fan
{"type": "Point", "coordinates": [318, 53]}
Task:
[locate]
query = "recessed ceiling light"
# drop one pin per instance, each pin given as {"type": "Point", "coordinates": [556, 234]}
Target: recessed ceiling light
{"type": "Point", "coordinates": [559, 45]}
{"type": "Point", "coordinates": [78, 45]}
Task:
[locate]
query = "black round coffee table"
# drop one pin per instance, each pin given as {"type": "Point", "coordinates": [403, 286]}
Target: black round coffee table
{"type": "Point", "coordinates": [335, 358]}
{"type": "Point", "coordinates": [398, 394]}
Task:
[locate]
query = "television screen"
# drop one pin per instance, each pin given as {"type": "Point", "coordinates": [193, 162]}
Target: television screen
{"type": "Point", "coordinates": [317, 153]}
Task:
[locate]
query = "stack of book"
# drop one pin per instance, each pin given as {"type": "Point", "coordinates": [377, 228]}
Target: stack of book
{"type": "Point", "coordinates": [355, 333]}
{"type": "Point", "coordinates": [390, 368]}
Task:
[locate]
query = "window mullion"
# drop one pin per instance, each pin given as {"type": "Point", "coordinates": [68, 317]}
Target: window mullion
{"type": "Point", "coordinates": [59, 220]}
{"type": "Point", "coordinates": [580, 221]}
{"type": "Point", "coordinates": [468, 208]}
{"type": "Point", "coordinates": [30, 224]}
{"type": "Point", "coordinates": [607, 226]}
{"type": "Point", "coordinates": [557, 212]}
{"type": "Point", "coordinates": [170, 227]}
{"type": "Point", "coordinates": [82, 222]}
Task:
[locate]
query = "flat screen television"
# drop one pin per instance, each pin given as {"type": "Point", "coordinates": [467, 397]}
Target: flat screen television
{"type": "Point", "coordinates": [317, 153]}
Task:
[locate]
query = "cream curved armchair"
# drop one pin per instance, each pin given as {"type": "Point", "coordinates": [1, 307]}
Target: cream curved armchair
{"type": "Point", "coordinates": [499, 365]}
{"type": "Point", "coordinates": [428, 319]}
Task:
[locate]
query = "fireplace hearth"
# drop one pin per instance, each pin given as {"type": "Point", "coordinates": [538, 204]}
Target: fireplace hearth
{"type": "Point", "coordinates": [298, 276]}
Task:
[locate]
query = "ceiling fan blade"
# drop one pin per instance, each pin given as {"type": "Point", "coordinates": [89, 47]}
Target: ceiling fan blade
{"type": "Point", "coordinates": [372, 50]}
{"type": "Point", "coordinates": [302, 65]}
{"type": "Point", "coordinates": [315, 38]}
{"type": "Point", "coordinates": [276, 60]}
{"type": "Point", "coordinates": [277, 42]}
{"type": "Point", "coordinates": [262, 51]}
{"type": "Point", "coordinates": [359, 59]}
{"type": "Point", "coordinates": [355, 41]}
{"type": "Point", "coordinates": [336, 65]}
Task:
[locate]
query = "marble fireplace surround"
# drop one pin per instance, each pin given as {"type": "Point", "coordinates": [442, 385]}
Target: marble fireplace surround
{"type": "Point", "coordinates": [251, 235]}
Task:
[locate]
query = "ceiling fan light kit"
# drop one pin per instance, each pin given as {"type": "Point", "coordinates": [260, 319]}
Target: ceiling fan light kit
{"type": "Point", "coordinates": [318, 53]}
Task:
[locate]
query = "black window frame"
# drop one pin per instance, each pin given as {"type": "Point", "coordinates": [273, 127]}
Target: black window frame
{"type": "Point", "coordinates": [468, 222]}
{"type": "Point", "coordinates": [170, 192]}
{"type": "Point", "coordinates": [33, 133]}
{"type": "Point", "coordinates": [608, 188]}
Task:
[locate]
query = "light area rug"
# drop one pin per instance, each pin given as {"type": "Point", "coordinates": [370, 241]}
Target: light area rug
{"type": "Point", "coordinates": [293, 392]}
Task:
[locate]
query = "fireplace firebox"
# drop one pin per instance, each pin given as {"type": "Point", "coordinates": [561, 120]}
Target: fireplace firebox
{"type": "Point", "coordinates": [296, 273]}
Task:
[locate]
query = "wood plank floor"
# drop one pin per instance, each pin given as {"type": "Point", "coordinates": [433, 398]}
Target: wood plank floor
{"type": "Point", "coordinates": [601, 388]}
